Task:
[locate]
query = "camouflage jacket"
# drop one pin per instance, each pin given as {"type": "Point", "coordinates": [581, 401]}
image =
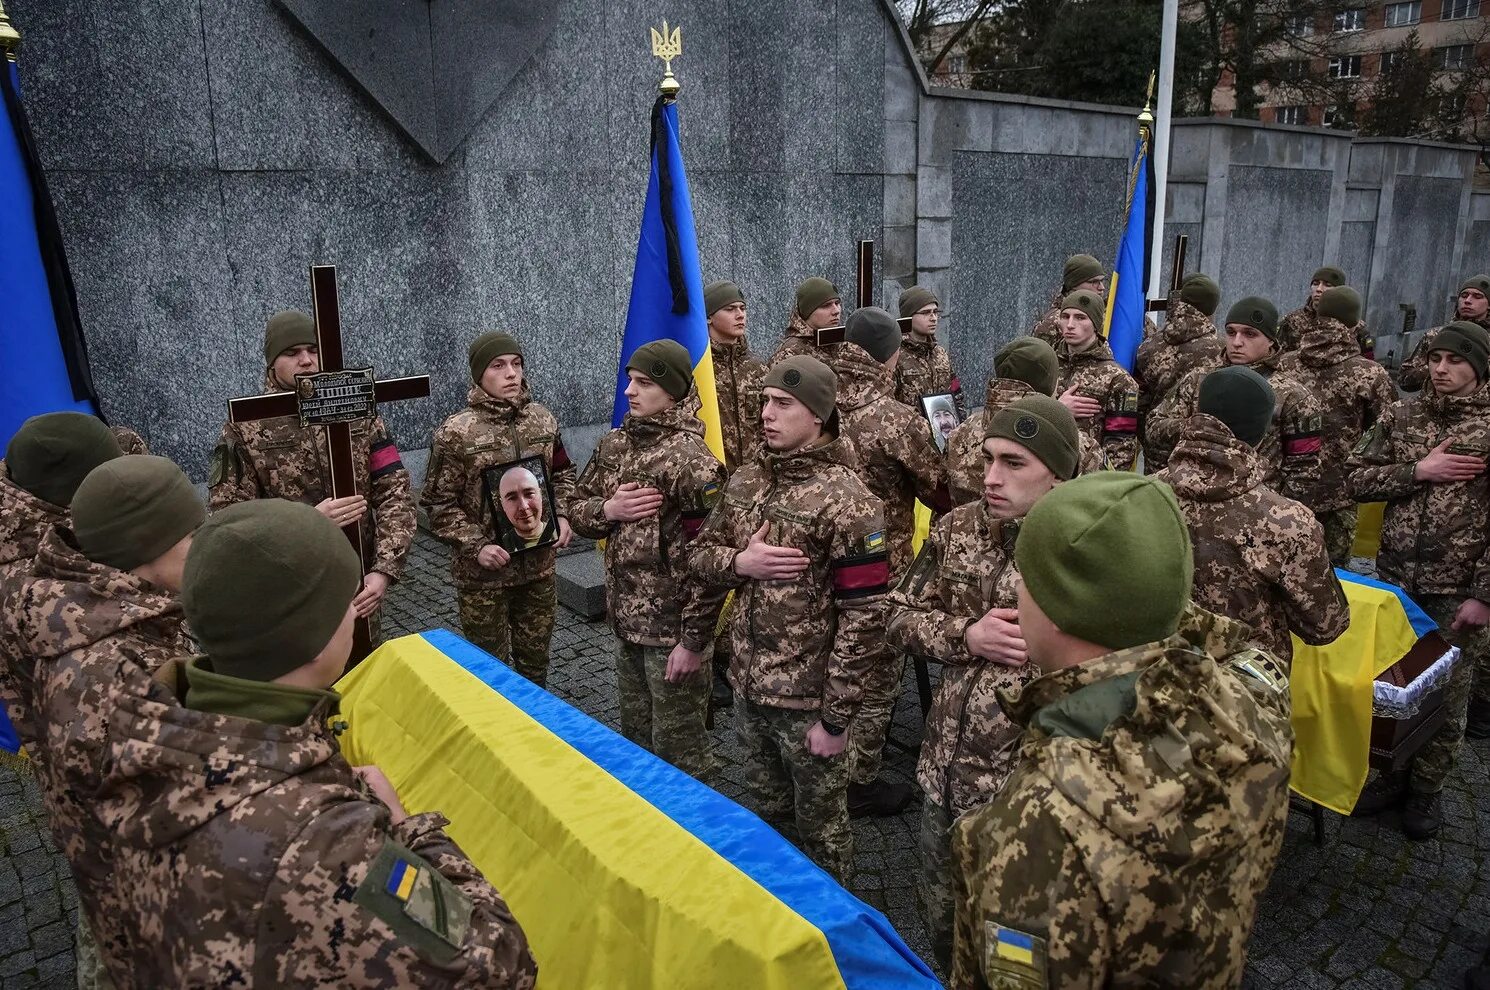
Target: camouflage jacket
{"type": "Point", "coordinates": [1187, 342]}
{"type": "Point", "coordinates": [965, 568]}
{"type": "Point", "coordinates": [488, 434]}
{"type": "Point", "coordinates": [807, 643]}
{"type": "Point", "coordinates": [1413, 374]}
{"type": "Point", "coordinates": [965, 446]}
{"type": "Point", "coordinates": [1435, 537]}
{"type": "Point", "coordinates": [925, 368]}
{"type": "Point", "coordinates": [1260, 558]}
{"type": "Point", "coordinates": [1352, 391]}
{"type": "Point", "coordinates": [1095, 374]}
{"type": "Point", "coordinates": [799, 339]}
{"type": "Point", "coordinates": [895, 455]}
{"type": "Point", "coordinates": [1293, 327]}
{"type": "Point", "coordinates": [1289, 452]}
{"type": "Point", "coordinates": [737, 383]}
{"type": "Point", "coordinates": [1048, 326]}
{"type": "Point", "coordinates": [1140, 827]}
{"type": "Point", "coordinates": [278, 458]}
{"type": "Point", "coordinates": [23, 520]}
{"type": "Point", "coordinates": [250, 854]}
{"type": "Point", "coordinates": [129, 441]}
{"type": "Point", "coordinates": [78, 632]}
{"type": "Point", "coordinates": [652, 599]}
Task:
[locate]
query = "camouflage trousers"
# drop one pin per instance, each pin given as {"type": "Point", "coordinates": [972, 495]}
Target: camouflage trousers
{"type": "Point", "coordinates": [1434, 762]}
{"type": "Point", "coordinates": [512, 624]}
{"type": "Point", "coordinates": [934, 888]}
{"type": "Point", "coordinates": [90, 969]}
{"type": "Point", "coordinates": [666, 719]}
{"type": "Point", "coordinates": [783, 777]}
{"type": "Point", "coordinates": [1339, 533]}
{"type": "Point", "coordinates": [871, 725]}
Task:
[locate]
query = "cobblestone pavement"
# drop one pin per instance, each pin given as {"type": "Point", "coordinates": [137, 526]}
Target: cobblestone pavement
{"type": "Point", "coordinates": [1365, 909]}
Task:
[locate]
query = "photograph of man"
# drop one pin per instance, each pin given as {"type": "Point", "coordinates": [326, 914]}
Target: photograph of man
{"type": "Point", "coordinates": [524, 501]}
{"type": "Point", "coordinates": [943, 416]}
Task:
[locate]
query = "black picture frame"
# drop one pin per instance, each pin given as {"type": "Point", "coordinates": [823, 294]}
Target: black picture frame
{"type": "Point", "coordinates": [508, 536]}
{"type": "Point", "coordinates": [939, 406]}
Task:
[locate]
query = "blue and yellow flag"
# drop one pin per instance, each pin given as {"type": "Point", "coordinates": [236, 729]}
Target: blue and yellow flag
{"type": "Point", "coordinates": [1127, 294]}
{"type": "Point", "coordinates": [667, 288]}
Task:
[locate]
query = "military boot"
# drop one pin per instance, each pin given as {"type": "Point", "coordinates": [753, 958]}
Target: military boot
{"type": "Point", "coordinates": [1421, 817]}
{"type": "Point", "coordinates": [1388, 790]}
{"type": "Point", "coordinates": [1477, 723]}
{"type": "Point", "coordinates": [880, 799]}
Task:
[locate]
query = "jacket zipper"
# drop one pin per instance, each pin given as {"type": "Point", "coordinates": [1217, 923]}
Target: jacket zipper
{"type": "Point", "coordinates": [750, 670]}
{"type": "Point", "coordinates": [1422, 500]}
{"type": "Point", "coordinates": [966, 697]}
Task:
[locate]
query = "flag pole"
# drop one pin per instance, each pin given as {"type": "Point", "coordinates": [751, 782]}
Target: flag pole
{"type": "Point", "coordinates": [1160, 150]}
{"type": "Point", "coordinates": [10, 38]}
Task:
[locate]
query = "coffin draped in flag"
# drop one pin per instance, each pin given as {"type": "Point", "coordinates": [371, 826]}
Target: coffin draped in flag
{"type": "Point", "coordinates": [667, 288]}
{"type": "Point", "coordinates": [1128, 292]}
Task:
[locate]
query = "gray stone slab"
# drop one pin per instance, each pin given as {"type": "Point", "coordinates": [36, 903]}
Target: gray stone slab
{"type": "Point", "coordinates": [581, 583]}
{"type": "Point", "coordinates": [1279, 235]}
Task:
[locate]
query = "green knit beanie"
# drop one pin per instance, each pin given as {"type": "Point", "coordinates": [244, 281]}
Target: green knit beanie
{"type": "Point", "coordinates": [1240, 398]}
{"type": "Point", "coordinates": [267, 584]}
{"type": "Point", "coordinates": [1029, 360]}
{"type": "Point", "coordinates": [1202, 292]}
{"type": "Point", "coordinates": [487, 348]}
{"type": "Point", "coordinates": [718, 295]}
{"type": "Point", "coordinates": [666, 362]}
{"type": "Point", "coordinates": [1480, 283]}
{"type": "Point", "coordinates": [130, 510]}
{"type": "Point", "coordinates": [1468, 340]}
{"type": "Point", "coordinates": [1045, 428]}
{"type": "Point", "coordinates": [914, 299]}
{"type": "Point", "coordinates": [1340, 303]}
{"type": "Point", "coordinates": [1107, 558]}
{"type": "Point", "coordinates": [51, 454]}
{"type": "Point", "coordinates": [1257, 313]}
{"type": "Point", "coordinates": [813, 293]}
{"type": "Point", "coordinates": [1080, 268]}
{"type": "Point", "coordinates": [1329, 275]}
{"type": "Point", "coordinates": [286, 330]}
{"type": "Point", "coordinates": [809, 381]}
{"type": "Point", "coordinates": [875, 330]}
{"type": "Point", "coordinates": [1093, 305]}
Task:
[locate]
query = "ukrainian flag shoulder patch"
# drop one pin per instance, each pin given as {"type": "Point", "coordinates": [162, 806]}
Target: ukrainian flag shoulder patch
{"type": "Point", "coordinates": [401, 879]}
{"type": "Point", "coordinates": [874, 541]}
{"type": "Point", "coordinates": [1012, 959]}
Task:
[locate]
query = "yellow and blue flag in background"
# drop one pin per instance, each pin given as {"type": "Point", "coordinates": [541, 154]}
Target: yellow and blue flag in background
{"type": "Point", "coordinates": [1128, 292]}
{"type": "Point", "coordinates": [667, 288]}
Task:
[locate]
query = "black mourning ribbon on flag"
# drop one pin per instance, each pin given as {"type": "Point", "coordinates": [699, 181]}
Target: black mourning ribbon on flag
{"type": "Point", "coordinates": [669, 221]}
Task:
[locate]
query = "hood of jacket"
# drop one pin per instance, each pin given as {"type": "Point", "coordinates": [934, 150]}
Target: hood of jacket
{"type": "Point", "coordinates": [797, 327]}
{"type": "Point", "coordinates": [1098, 351]}
{"type": "Point", "coordinates": [680, 417]}
{"type": "Point", "coordinates": [1001, 392]}
{"type": "Point", "coordinates": [1184, 323]}
{"type": "Point", "coordinates": [23, 519]}
{"type": "Point", "coordinates": [804, 464]}
{"type": "Point", "coordinates": [1328, 342]}
{"type": "Point", "coordinates": [1456, 408]}
{"type": "Point", "coordinates": [861, 379]}
{"type": "Point", "coordinates": [503, 409]}
{"type": "Point", "coordinates": [735, 350]}
{"type": "Point", "coordinates": [1211, 465]}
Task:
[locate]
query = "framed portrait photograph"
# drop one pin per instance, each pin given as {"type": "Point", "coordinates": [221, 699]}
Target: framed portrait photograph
{"type": "Point", "coordinates": [520, 498]}
{"type": "Point", "coordinates": [941, 413]}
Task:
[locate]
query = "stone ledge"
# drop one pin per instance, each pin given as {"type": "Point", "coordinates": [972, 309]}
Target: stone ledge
{"type": "Point", "coordinates": [581, 580]}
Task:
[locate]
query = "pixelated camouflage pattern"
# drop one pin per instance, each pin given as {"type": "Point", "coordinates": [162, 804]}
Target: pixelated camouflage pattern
{"type": "Point", "coordinates": [76, 632]}
{"type": "Point", "coordinates": [799, 339]}
{"type": "Point", "coordinates": [487, 433]}
{"type": "Point", "coordinates": [1413, 375]}
{"type": "Point", "coordinates": [1048, 326]}
{"type": "Point", "coordinates": [1352, 391]}
{"type": "Point", "coordinates": [925, 368]}
{"type": "Point", "coordinates": [129, 441]}
{"type": "Point", "coordinates": [651, 597]}
{"type": "Point", "coordinates": [965, 568]}
{"type": "Point", "coordinates": [1295, 325]}
{"type": "Point", "coordinates": [1137, 849]}
{"type": "Point", "coordinates": [1435, 536]}
{"type": "Point", "coordinates": [514, 623]}
{"type": "Point", "coordinates": [1289, 451]}
{"type": "Point", "coordinates": [666, 719]}
{"type": "Point", "coordinates": [24, 519]}
{"type": "Point", "coordinates": [1096, 375]}
{"type": "Point", "coordinates": [737, 385]}
{"type": "Point", "coordinates": [896, 457]}
{"type": "Point", "coordinates": [241, 847]}
{"type": "Point", "coordinates": [1436, 760]}
{"type": "Point", "coordinates": [1186, 343]}
{"type": "Point", "coordinates": [1260, 558]}
{"type": "Point", "coordinates": [964, 455]}
{"type": "Point", "coordinates": [278, 458]}
{"type": "Point", "coordinates": [807, 643]}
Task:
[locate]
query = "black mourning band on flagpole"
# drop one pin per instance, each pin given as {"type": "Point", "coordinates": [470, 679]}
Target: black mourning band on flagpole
{"type": "Point", "coordinates": [669, 221]}
{"type": "Point", "coordinates": [53, 259]}
{"type": "Point", "coordinates": [1148, 212]}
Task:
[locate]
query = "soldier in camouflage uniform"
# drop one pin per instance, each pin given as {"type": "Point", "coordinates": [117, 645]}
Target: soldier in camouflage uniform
{"type": "Point", "coordinates": [1426, 459]}
{"type": "Point", "coordinates": [1473, 306]}
{"type": "Point", "coordinates": [1133, 840]}
{"type": "Point", "coordinates": [957, 607]}
{"type": "Point", "coordinates": [898, 463]}
{"type": "Point", "coordinates": [1259, 557]}
{"type": "Point", "coordinates": [96, 612]}
{"type": "Point", "coordinates": [1289, 451]}
{"type": "Point", "coordinates": [1187, 342]}
{"type": "Point", "coordinates": [507, 601]}
{"type": "Point", "coordinates": [737, 373]}
{"type": "Point", "coordinates": [801, 540]}
{"type": "Point", "coordinates": [1297, 323]}
{"type": "Point", "coordinates": [816, 306]}
{"type": "Point", "coordinates": [249, 853]}
{"type": "Point", "coordinates": [1353, 392]}
{"type": "Point", "coordinates": [1100, 394]}
{"type": "Point", "coordinates": [646, 492]}
{"type": "Point", "coordinates": [279, 458]}
{"type": "Point", "coordinates": [925, 367]}
{"type": "Point", "coordinates": [1083, 272]}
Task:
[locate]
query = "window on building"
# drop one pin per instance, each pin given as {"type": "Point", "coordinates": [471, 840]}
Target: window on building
{"type": "Point", "coordinates": [1338, 116]}
{"type": "Point", "coordinates": [958, 64]}
{"type": "Point", "coordinates": [1390, 61]}
{"type": "Point", "coordinates": [1293, 69]}
{"type": "Point", "coordinates": [1345, 67]}
{"type": "Point", "coordinates": [1353, 19]}
{"type": "Point", "coordinates": [1453, 57]}
{"type": "Point", "coordinates": [1458, 10]}
{"type": "Point", "coordinates": [1300, 25]}
{"type": "Point", "coordinates": [1453, 105]}
{"type": "Point", "coordinates": [1293, 115]}
{"type": "Point", "coordinates": [1403, 14]}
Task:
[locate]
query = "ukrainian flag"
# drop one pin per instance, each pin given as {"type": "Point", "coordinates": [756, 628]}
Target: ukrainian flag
{"type": "Point", "coordinates": [1128, 292]}
{"type": "Point", "coordinates": [667, 288]}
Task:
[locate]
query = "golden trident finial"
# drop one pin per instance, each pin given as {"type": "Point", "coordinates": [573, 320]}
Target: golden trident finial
{"type": "Point", "coordinates": [1146, 117]}
{"type": "Point", "coordinates": [10, 38]}
{"type": "Point", "coordinates": [668, 47]}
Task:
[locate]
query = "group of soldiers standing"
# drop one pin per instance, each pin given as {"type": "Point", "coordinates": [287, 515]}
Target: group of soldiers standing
{"type": "Point", "coordinates": [1104, 769]}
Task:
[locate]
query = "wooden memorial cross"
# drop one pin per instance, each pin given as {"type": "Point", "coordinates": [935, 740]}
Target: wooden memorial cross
{"type": "Point", "coordinates": [1181, 242]}
{"type": "Point", "coordinates": [333, 399]}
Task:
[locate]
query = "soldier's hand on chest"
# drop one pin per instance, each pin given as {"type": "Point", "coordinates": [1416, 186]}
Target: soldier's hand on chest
{"type": "Point", "coordinates": [633, 503]}
{"type": "Point", "coordinates": [765, 562]}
